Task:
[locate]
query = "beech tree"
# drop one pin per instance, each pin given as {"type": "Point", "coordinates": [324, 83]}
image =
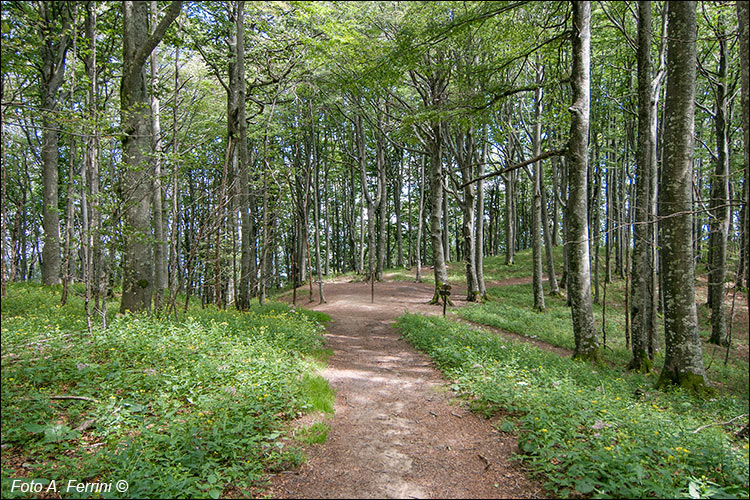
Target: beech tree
{"type": "Point", "coordinates": [683, 360]}
{"type": "Point", "coordinates": [136, 190]}
{"type": "Point", "coordinates": [577, 234]}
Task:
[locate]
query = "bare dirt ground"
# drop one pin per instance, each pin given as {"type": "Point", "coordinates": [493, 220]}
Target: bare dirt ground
{"type": "Point", "coordinates": [398, 432]}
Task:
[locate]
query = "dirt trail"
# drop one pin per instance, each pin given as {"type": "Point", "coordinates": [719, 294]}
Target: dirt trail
{"type": "Point", "coordinates": [397, 431]}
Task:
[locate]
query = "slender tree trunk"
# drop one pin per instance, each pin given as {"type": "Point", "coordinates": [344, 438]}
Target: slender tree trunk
{"type": "Point", "coordinates": [683, 361]}
{"type": "Point", "coordinates": [316, 223]}
{"type": "Point", "coordinates": [67, 267]}
{"type": "Point", "coordinates": [719, 201]}
{"type": "Point", "coordinates": [420, 221]}
{"type": "Point", "coordinates": [465, 157]}
{"type": "Point", "coordinates": [397, 186]}
{"type": "Point", "coordinates": [536, 216]}
{"type": "Point", "coordinates": [744, 35]}
{"type": "Point", "coordinates": [510, 216]}
{"type": "Point", "coordinates": [249, 249]}
{"type": "Point", "coordinates": [479, 246]}
{"type": "Point", "coordinates": [436, 209]}
{"type": "Point", "coordinates": [579, 278]}
{"type": "Point", "coordinates": [554, 288]}
{"type": "Point", "coordinates": [640, 300]}
{"type": "Point", "coordinates": [160, 250]}
{"type": "Point", "coordinates": [381, 205]}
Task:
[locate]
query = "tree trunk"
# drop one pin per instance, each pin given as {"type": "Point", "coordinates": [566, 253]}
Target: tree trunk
{"type": "Point", "coordinates": [640, 299]}
{"type": "Point", "coordinates": [420, 222]}
{"type": "Point", "coordinates": [67, 250]}
{"type": "Point", "coordinates": [237, 86]}
{"type": "Point", "coordinates": [465, 157]}
{"type": "Point", "coordinates": [719, 201]}
{"type": "Point", "coordinates": [316, 223]}
{"type": "Point", "coordinates": [683, 361]}
{"type": "Point", "coordinates": [136, 189]}
{"type": "Point", "coordinates": [397, 185]}
{"type": "Point", "coordinates": [510, 217]}
{"type": "Point", "coordinates": [53, 51]}
{"type": "Point", "coordinates": [479, 226]}
{"type": "Point", "coordinates": [744, 35]}
{"type": "Point", "coordinates": [536, 216]}
{"type": "Point", "coordinates": [579, 278]}
{"type": "Point", "coordinates": [381, 205]}
{"type": "Point", "coordinates": [160, 251]}
{"type": "Point", "coordinates": [436, 209]}
{"type": "Point", "coordinates": [554, 288]}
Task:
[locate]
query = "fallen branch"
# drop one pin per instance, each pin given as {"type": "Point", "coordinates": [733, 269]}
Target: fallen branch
{"type": "Point", "coordinates": [85, 425]}
{"type": "Point", "coordinates": [719, 423]}
{"type": "Point", "coordinates": [77, 398]}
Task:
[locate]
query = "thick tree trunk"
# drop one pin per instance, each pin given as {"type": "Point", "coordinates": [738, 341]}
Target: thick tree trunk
{"type": "Point", "coordinates": [136, 186]}
{"type": "Point", "coordinates": [683, 361]}
{"type": "Point", "coordinates": [640, 299]}
{"type": "Point", "coordinates": [53, 52]}
{"type": "Point", "coordinates": [579, 278]}
{"type": "Point", "coordinates": [719, 201]}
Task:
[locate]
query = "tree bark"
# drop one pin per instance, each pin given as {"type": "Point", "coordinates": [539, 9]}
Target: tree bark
{"type": "Point", "coordinates": [237, 88]}
{"type": "Point", "coordinates": [536, 215]}
{"type": "Point", "coordinates": [683, 361]}
{"type": "Point", "coordinates": [744, 35]}
{"type": "Point", "coordinates": [510, 218]}
{"type": "Point", "coordinates": [54, 48]}
{"type": "Point", "coordinates": [579, 278]}
{"type": "Point", "coordinates": [420, 221]}
{"type": "Point", "coordinates": [134, 116]}
{"type": "Point", "coordinates": [719, 200]}
{"type": "Point", "coordinates": [160, 250]}
{"type": "Point", "coordinates": [640, 299]}
{"type": "Point", "coordinates": [479, 226]}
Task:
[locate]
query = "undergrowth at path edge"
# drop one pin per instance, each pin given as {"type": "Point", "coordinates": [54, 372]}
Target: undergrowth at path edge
{"type": "Point", "coordinates": [590, 430]}
{"type": "Point", "coordinates": [189, 408]}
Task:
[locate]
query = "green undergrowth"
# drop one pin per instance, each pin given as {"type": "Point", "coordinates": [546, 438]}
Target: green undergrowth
{"type": "Point", "coordinates": [495, 268]}
{"type": "Point", "coordinates": [190, 408]}
{"type": "Point", "coordinates": [590, 430]}
{"type": "Point", "coordinates": [317, 433]}
{"type": "Point", "coordinates": [511, 309]}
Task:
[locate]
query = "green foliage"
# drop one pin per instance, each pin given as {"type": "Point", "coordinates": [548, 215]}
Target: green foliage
{"type": "Point", "coordinates": [180, 408]}
{"type": "Point", "coordinates": [590, 430]}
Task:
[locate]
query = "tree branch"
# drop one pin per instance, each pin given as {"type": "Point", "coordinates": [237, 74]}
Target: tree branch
{"type": "Point", "coordinates": [145, 50]}
{"type": "Point", "coordinates": [547, 154]}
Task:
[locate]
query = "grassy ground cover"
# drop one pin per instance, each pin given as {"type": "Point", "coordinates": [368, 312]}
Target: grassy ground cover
{"type": "Point", "coordinates": [511, 310]}
{"type": "Point", "coordinates": [188, 408]}
{"type": "Point", "coordinates": [591, 430]}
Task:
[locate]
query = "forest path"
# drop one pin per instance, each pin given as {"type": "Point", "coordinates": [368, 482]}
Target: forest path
{"type": "Point", "coordinates": [397, 431]}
